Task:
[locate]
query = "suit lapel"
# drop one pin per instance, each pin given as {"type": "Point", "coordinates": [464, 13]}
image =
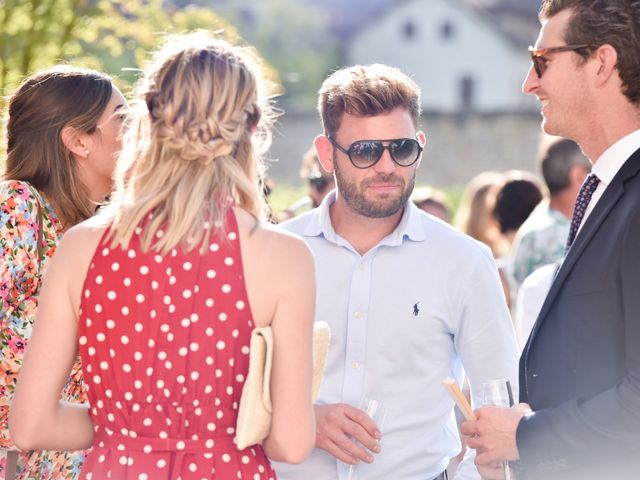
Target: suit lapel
{"type": "Point", "coordinates": [609, 198]}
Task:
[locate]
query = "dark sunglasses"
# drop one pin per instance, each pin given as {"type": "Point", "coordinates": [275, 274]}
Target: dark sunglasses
{"type": "Point", "coordinates": [365, 153]}
{"type": "Point", "coordinates": [538, 55]}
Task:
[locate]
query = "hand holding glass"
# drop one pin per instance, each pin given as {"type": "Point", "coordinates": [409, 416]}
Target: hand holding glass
{"type": "Point", "coordinates": [497, 393]}
{"type": "Point", "coordinates": [377, 412]}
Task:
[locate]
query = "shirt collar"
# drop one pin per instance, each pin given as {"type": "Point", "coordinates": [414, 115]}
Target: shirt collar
{"type": "Point", "coordinates": [614, 157]}
{"type": "Point", "coordinates": [409, 226]}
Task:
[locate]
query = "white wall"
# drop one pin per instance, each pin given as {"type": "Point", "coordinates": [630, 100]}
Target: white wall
{"type": "Point", "coordinates": [476, 49]}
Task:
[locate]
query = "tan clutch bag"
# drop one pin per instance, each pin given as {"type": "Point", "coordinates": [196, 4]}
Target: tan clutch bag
{"type": "Point", "coordinates": [254, 415]}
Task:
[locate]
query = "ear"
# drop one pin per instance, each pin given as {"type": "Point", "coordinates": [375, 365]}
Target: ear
{"type": "Point", "coordinates": [606, 59]}
{"type": "Point", "coordinates": [577, 174]}
{"type": "Point", "coordinates": [422, 138]}
{"type": "Point", "coordinates": [74, 141]}
{"type": "Point", "coordinates": [324, 149]}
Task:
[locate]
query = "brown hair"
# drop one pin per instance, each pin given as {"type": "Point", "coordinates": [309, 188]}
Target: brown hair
{"type": "Point", "coordinates": [366, 91]}
{"type": "Point", "coordinates": [39, 109]}
{"type": "Point", "coordinates": [194, 146]}
{"type": "Point", "coordinates": [599, 22]}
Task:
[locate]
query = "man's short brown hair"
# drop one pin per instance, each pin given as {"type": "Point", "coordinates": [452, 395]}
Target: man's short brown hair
{"type": "Point", "coordinates": [366, 90]}
{"type": "Point", "coordinates": [599, 22]}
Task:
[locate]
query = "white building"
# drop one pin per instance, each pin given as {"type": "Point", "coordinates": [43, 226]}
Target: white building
{"type": "Point", "coordinates": [464, 56]}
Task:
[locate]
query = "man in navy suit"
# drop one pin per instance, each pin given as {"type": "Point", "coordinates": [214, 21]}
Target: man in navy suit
{"type": "Point", "coordinates": [580, 370]}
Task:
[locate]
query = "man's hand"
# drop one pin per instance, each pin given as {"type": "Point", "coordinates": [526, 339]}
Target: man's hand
{"type": "Point", "coordinates": [493, 471]}
{"type": "Point", "coordinates": [338, 425]}
{"type": "Point", "coordinates": [493, 435]}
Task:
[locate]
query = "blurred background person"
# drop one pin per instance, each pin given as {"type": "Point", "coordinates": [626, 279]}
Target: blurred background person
{"type": "Point", "coordinates": [542, 237]}
{"type": "Point", "coordinates": [540, 243]}
{"type": "Point", "coordinates": [432, 201]}
{"type": "Point", "coordinates": [518, 196]}
{"type": "Point", "coordinates": [475, 212]}
{"type": "Point", "coordinates": [267, 189]}
{"type": "Point", "coordinates": [520, 193]}
{"type": "Point", "coordinates": [320, 183]}
{"type": "Point", "coordinates": [161, 291]}
{"type": "Point", "coordinates": [63, 134]}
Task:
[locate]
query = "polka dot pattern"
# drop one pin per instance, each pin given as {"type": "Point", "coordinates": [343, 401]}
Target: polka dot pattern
{"type": "Point", "coordinates": [165, 351]}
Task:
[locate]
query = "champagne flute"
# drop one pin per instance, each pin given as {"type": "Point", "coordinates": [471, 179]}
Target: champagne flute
{"type": "Point", "coordinates": [378, 412]}
{"type": "Point", "coordinates": [498, 393]}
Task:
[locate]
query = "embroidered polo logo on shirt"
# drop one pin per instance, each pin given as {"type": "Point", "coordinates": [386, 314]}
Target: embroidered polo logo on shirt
{"type": "Point", "coordinates": [416, 310]}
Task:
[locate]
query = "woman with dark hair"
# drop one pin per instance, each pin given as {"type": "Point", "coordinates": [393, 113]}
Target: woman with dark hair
{"type": "Point", "coordinates": [63, 135]}
{"type": "Point", "coordinates": [515, 201]}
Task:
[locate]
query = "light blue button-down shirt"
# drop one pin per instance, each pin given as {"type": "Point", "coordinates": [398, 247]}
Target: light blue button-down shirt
{"type": "Point", "coordinates": [404, 316]}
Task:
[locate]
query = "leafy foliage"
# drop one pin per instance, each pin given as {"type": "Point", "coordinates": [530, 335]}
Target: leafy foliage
{"type": "Point", "coordinates": [293, 37]}
{"type": "Point", "coordinates": [102, 34]}
{"type": "Point", "coordinates": [116, 36]}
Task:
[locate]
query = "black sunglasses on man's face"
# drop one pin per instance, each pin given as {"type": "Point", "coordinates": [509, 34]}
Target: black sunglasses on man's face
{"type": "Point", "coordinates": [366, 153]}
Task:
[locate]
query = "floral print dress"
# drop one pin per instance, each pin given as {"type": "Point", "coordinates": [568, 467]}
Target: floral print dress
{"type": "Point", "coordinates": [20, 273]}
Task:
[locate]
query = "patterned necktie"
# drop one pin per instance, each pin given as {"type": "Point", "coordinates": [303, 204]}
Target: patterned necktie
{"type": "Point", "coordinates": [582, 202]}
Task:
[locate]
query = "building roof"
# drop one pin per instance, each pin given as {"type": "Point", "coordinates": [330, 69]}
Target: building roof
{"type": "Point", "coordinates": [524, 7]}
{"type": "Point", "coordinates": [517, 20]}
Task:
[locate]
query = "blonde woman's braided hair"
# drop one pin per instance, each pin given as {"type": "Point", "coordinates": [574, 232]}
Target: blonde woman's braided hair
{"type": "Point", "coordinates": [194, 145]}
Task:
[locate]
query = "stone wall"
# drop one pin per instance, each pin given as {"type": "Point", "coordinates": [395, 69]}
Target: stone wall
{"type": "Point", "coordinates": [458, 147]}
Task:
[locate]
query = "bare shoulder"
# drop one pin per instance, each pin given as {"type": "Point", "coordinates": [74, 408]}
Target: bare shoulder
{"type": "Point", "coordinates": [80, 241]}
{"type": "Point", "coordinates": [71, 261]}
{"type": "Point", "coordinates": [85, 232]}
{"type": "Point", "coordinates": [271, 239]}
{"type": "Point", "coordinates": [280, 261]}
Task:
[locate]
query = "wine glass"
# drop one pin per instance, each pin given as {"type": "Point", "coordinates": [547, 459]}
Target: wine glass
{"type": "Point", "coordinates": [498, 393]}
{"type": "Point", "coordinates": [378, 412]}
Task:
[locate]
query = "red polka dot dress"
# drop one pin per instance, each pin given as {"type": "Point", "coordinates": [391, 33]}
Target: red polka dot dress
{"type": "Point", "coordinates": [165, 346]}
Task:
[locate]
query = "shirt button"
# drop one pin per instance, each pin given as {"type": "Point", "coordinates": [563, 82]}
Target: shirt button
{"type": "Point", "coordinates": [362, 266]}
{"type": "Point", "coordinates": [358, 314]}
{"type": "Point", "coordinates": [354, 365]}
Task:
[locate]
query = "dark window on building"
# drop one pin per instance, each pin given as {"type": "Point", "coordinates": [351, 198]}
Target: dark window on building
{"type": "Point", "coordinates": [447, 30]}
{"type": "Point", "coordinates": [409, 30]}
{"type": "Point", "coordinates": [466, 92]}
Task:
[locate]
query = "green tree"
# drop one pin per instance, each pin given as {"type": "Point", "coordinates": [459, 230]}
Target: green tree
{"type": "Point", "coordinates": [34, 33]}
{"type": "Point", "coordinates": [293, 37]}
{"type": "Point", "coordinates": [110, 36]}
{"type": "Point", "coordinates": [102, 34]}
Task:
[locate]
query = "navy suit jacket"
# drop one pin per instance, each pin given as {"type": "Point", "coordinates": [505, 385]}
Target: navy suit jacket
{"type": "Point", "coordinates": [580, 369]}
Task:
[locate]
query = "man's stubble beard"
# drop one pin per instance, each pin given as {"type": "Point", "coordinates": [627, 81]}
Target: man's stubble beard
{"type": "Point", "coordinates": [355, 198]}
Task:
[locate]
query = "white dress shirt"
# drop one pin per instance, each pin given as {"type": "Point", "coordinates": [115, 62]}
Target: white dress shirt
{"type": "Point", "coordinates": [405, 315]}
{"type": "Point", "coordinates": [531, 297]}
{"type": "Point", "coordinates": [608, 165]}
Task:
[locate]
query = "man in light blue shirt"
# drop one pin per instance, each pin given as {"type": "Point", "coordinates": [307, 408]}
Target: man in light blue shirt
{"type": "Point", "coordinates": [410, 300]}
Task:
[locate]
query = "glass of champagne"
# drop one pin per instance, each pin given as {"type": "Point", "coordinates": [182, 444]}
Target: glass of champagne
{"type": "Point", "coordinates": [378, 412]}
{"type": "Point", "coordinates": [498, 393]}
